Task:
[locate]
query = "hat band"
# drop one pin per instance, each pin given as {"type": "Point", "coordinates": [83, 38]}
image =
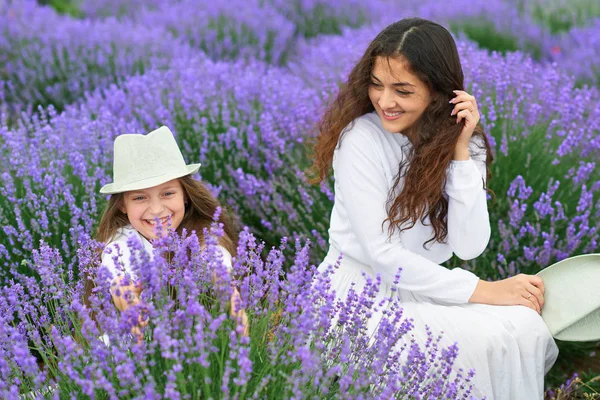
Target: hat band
{"type": "Point", "coordinates": [148, 182]}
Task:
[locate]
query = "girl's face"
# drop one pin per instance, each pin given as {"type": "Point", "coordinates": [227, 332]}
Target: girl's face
{"type": "Point", "coordinates": [399, 97]}
{"type": "Point", "coordinates": [163, 201]}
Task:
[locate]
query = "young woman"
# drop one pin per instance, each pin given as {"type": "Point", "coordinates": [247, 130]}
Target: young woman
{"type": "Point", "coordinates": [410, 164]}
{"type": "Point", "coordinates": [153, 185]}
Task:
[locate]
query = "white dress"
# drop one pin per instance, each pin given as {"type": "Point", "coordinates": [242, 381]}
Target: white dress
{"type": "Point", "coordinates": [509, 347]}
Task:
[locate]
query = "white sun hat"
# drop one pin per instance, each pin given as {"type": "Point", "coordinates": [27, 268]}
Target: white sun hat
{"type": "Point", "coordinates": [144, 161]}
{"type": "Point", "coordinates": [572, 298]}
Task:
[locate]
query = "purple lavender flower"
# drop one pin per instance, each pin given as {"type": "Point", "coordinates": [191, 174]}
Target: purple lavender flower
{"type": "Point", "coordinates": [295, 349]}
{"type": "Point", "coordinates": [316, 17]}
{"type": "Point", "coordinates": [576, 52]}
{"type": "Point", "coordinates": [53, 59]}
{"type": "Point", "coordinates": [225, 30]}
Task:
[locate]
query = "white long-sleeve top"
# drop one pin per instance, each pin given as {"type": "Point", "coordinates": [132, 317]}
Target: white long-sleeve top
{"type": "Point", "coordinates": [365, 166]}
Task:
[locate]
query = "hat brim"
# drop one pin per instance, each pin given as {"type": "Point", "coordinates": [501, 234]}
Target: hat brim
{"type": "Point", "coordinates": [111, 188]}
{"type": "Point", "coordinates": [572, 298]}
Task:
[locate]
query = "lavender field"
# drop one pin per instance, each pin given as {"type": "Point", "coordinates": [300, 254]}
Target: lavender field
{"type": "Point", "coordinates": [242, 84]}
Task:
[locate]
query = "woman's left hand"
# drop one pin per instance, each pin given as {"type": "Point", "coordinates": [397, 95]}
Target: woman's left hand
{"type": "Point", "coordinates": [465, 108]}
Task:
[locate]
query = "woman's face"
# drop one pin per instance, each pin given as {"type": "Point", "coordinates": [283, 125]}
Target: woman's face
{"type": "Point", "coordinates": [166, 201]}
{"type": "Point", "coordinates": [399, 97]}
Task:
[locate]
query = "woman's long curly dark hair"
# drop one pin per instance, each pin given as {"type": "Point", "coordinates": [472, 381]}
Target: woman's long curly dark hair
{"type": "Point", "coordinates": [430, 53]}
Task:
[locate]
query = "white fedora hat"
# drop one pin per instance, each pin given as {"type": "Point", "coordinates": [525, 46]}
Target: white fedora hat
{"type": "Point", "coordinates": [143, 161]}
{"type": "Point", "coordinates": [572, 298]}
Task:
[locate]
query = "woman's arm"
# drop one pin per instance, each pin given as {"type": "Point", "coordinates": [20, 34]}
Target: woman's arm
{"type": "Point", "coordinates": [468, 218]}
{"type": "Point", "coordinates": [363, 188]}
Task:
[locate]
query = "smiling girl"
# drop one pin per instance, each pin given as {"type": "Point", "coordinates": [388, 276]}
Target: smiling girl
{"type": "Point", "coordinates": [410, 164]}
{"type": "Point", "coordinates": [153, 185]}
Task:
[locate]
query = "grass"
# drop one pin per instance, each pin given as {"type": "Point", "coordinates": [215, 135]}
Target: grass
{"type": "Point", "coordinates": [561, 18]}
{"type": "Point", "coordinates": [486, 36]}
{"type": "Point", "coordinates": [68, 7]}
{"type": "Point", "coordinates": [320, 21]}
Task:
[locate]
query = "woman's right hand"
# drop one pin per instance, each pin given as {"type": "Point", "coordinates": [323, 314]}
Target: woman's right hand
{"type": "Point", "coordinates": [525, 290]}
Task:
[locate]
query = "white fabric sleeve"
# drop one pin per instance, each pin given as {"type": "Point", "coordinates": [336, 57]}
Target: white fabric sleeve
{"type": "Point", "coordinates": [227, 259]}
{"type": "Point", "coordinates": [359, 176]}
{"type": "Point", "coordinates": [468, 218]}
{"type": "Point", "coordinates": [116, 258]}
